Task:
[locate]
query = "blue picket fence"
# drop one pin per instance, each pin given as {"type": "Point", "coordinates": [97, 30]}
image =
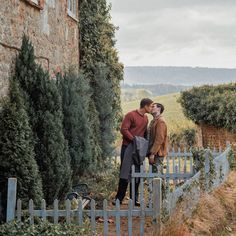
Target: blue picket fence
{"type": "Point", "coordinates": [177, 176]}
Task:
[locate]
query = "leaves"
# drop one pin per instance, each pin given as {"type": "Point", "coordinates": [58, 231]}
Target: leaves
{"type": "Point", "coordinates": [213, 105]}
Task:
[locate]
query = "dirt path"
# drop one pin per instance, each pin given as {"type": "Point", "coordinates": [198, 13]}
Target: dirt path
{"type": "Point", "coordinates": [148, 230]}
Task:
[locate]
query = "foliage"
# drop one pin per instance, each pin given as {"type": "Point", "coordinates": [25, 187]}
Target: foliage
{"type": "Point", "coordinates": [75, 94]}
{"type": "Point", "coordinates": [232, 159]}
{"type": "Point", "coordinates": [185, 137]}
{"type": "Point", "coordinates": [100, 64]}
{"type": "Point", "coordinates": [44, 108]}
{"type": "Point", "coordinates": [15, 228]}
{"type": "Point", "coordinates": [17, 157]}
{"type": "Point", "coordinates": [102, 185]}
{"type": "Point", "coordinates": [213, 105]}
{"type": "Point", "coordinates": [203, 158]}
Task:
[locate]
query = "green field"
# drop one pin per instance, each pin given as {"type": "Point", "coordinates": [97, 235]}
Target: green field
{"type": "Point", "coordinates": [173, 112]}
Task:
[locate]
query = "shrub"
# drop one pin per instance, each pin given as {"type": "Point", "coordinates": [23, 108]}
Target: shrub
{"type": "Point", "coordinates": [75, 94]}
{"type": "Point", "coordinates": [185, 137]}
{"type": "Point", "coordinates": [17, 157]}
{"type": "Point", "coordinates": [213, 105]}
{"type": "Point", "coordinates": [44, 229]}
{"type": "Point", "coordinates": [44, 108]}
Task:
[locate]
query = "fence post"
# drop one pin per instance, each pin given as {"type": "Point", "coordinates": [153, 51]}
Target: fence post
{"type": "Point", "coordinates": [157, 202]}
{"type": "Point", "coordinates": [207, 170]}
{"type": "Point", "coordinates": [11, 199]}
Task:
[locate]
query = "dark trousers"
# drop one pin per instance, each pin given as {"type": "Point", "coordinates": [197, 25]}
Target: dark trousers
{"type": "Point", "coordinates": [123, 183]}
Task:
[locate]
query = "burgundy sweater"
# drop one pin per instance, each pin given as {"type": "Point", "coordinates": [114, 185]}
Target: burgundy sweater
{"type": "Point", "coordinates": [133, 124]}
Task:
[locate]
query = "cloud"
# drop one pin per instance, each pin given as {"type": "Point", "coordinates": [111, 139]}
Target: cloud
{"type": "Point", "coordinates": [176, 32]}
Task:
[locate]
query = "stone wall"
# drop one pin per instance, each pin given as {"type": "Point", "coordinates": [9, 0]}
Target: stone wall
{"type": "Point", "coordinates": [52, 31]}
{"type": "Point", "coordinates": [210, 136]}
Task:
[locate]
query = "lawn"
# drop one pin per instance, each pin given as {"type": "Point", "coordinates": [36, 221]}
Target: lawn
{"type": "Point", "coordinates": [173, 112]}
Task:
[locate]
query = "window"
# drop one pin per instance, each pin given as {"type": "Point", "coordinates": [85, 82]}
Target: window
{"type": "Point", "coordinates": [72, 8]}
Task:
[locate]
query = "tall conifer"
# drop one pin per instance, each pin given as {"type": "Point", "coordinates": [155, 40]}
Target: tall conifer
{"type": "Point", "coordinates": [44, 107]}
{"type": "Point", "coordinates": [17, 157]}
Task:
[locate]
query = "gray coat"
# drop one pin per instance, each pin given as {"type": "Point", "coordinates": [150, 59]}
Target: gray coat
{"type": "Point", "coordinates": [135, 154]}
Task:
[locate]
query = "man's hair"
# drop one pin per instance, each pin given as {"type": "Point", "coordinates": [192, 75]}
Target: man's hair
{"type": "Point", "coordinates": [145, 102]}
{"type": "Point", "coordinates": [160, 105]}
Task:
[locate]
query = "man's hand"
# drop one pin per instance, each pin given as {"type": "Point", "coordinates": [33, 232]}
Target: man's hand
{"type": "Point", "coordinates": [151, 159]}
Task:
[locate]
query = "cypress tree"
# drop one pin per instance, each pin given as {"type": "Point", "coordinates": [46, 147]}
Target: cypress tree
{"type": "Point", "coordinates": [75, 94]}
{"type": "Point", "coordinates": [17, 157]}
{"type": "Point", "coordinates": [44, 107]}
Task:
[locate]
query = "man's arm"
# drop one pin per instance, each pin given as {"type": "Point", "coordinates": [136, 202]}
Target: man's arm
{"type": "Point", "coordinates": [159, 138]}
{"type": "Point", "coordinates": [125, 127]}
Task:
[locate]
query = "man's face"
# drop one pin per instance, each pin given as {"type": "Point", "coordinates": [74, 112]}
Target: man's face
{"type": "Point", "coordinates": [149, 108]}
{"type": "Point", "coordinates": [156, 110]}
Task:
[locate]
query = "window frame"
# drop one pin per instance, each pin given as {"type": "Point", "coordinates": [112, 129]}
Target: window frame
{"type": "Point", "coordinates": [72, 10]}
{"type": "Point", "coordinates": [39, 4]}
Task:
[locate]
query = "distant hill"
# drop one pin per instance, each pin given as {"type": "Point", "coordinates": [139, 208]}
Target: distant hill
{"type": "Point", "coordinates": [154, 89]}
{"type": "Point", "coordinates": [178, 75]}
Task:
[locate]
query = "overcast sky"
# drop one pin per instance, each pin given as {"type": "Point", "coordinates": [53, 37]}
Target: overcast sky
{"type": "Point", "coordinates": [176, 32]}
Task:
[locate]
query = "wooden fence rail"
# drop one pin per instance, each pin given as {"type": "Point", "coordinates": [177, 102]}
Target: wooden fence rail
{"type": "Point", "coordinates": [70, 215]}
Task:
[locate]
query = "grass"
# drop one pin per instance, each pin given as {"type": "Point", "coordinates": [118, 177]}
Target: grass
{"type": "Point", "coordinates": [173, 113]}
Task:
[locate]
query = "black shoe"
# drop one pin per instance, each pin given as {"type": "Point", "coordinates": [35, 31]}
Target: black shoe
{"type": "Point", "coordinates": [114, 202]}
{"type": "Point", "coordinates": [137, 203]}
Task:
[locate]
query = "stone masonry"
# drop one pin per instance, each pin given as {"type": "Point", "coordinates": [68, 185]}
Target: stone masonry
{"type": "Point", "coordinates": [51, 28]}
{"type": "Point", "coordinates": [210, 136]}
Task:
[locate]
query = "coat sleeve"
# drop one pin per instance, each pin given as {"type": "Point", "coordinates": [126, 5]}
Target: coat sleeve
{"type": "Point", "coordinates": [159, 138]}
{"type": "Point", "coordinates": [125, 127]}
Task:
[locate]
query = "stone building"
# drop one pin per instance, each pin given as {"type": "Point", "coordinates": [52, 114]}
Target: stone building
{"type": "Point", "coordinates": [211, 136]}
{"type": "Point", "coordinates": [52, 26]}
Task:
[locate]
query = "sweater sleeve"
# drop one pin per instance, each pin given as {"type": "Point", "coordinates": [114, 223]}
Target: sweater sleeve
{"type": "Point", "coordinates": [160, 137]}
{"type": "Point", "coordinates": [125, 127]}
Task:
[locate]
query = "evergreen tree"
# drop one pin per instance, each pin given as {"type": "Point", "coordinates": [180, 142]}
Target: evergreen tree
{"type": "Point", "coordinates": [75, 99]}
{"type": "Point", "coordinates": [97, 46]}
{"type": "Point", "coordinates": [44, 107]}
{"type": "Point", "coordinates": [17, 157]}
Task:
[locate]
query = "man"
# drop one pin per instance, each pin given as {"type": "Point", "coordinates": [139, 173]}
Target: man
{"type": "Point", "coordinates": [157, 137]}
{"type": "Point", "coordinates": [134, 124]}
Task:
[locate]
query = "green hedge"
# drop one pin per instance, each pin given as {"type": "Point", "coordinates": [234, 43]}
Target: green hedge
{"type": "Point", "coordinates": [44, 229]}
{"type": "Point", "coordinates": [213, 105]}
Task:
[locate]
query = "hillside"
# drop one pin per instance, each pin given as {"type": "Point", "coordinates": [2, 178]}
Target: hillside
{"type": "Point", "coordinates": [173, 112]}
{"type": "Point", "coordinates": [178, 75]}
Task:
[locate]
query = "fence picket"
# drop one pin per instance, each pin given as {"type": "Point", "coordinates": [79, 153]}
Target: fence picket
{"type": "Point", "coordinates": [191, 164]}
{"type": "Point", "coordinates": [31, 211]}
{"type": "Point", "coordinates": [141, 183]}
{"type": "Point", "coordinates": [93, 217]}
{"type": "Point", "coordinates": [150, 188]}
{"type": "Point", "coordinates": [68, 209]}
{"type": "Point", "coordinates": [142, 217]}
{"type": "Point", "coordinates": [178, 157]}
{"type": "Point", "coordinates": [105, 217]}
{"type": "Point", "coordinates": [11, 199]}
{"type": "Point", "coordinates": [118, 217]}
{"type": "Point", "coordinates": [130, 206]}
{"type": "Point", "coordinates": [80, 212]}
{"type": "Point", "coordinates": [18, 210]}
{"type": "Point", "coordinates": [43, 208]}
{"type": "Point", "coordinates": [133, 185]}
{"type": "Point", "coordinates": [55, 211]}
{"type": "Point", "coordinates": [157, 200]}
